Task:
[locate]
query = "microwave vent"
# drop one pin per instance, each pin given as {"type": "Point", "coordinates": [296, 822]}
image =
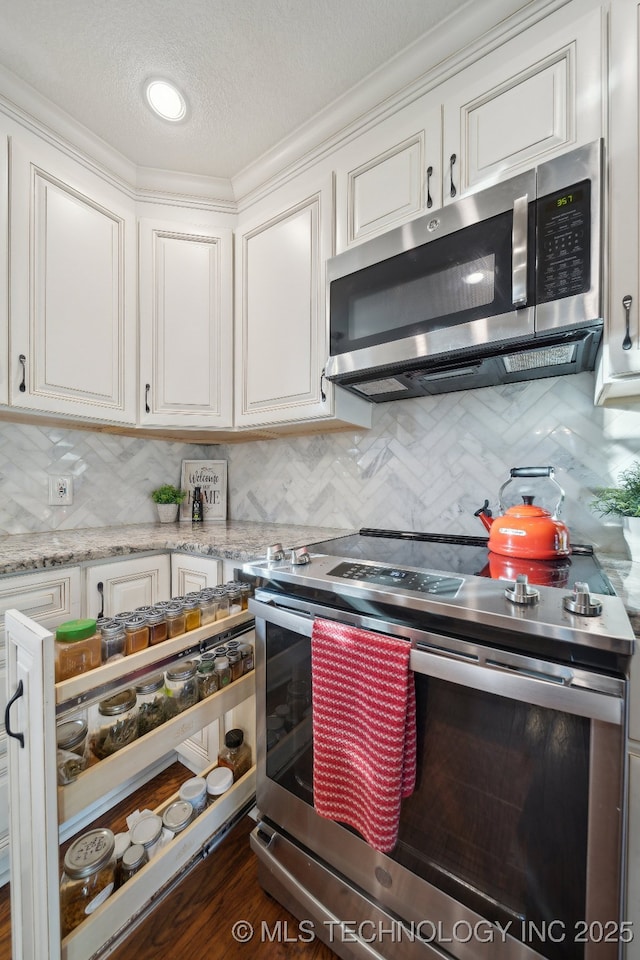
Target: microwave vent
{"type": "Point", "coordinates": [374, 387]}
{"type": "Point", "coordinates": [544, 357]}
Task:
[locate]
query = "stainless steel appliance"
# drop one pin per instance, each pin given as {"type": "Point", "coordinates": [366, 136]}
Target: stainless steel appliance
{"type": "Point", "coordinates": [510, 847]}
{"type": "Point", "coordinates": [502, 285]}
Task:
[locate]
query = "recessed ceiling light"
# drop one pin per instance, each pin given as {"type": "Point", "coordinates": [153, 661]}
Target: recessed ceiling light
{"type": "Point", "coordinates": [165, 100]}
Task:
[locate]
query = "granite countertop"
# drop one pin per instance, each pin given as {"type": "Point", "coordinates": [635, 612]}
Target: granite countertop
{"type": "Point", "coordinates": [233, 540]}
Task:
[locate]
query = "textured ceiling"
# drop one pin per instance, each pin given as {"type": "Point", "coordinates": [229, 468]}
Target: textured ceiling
{"type": "Point", "coordinates": [253, 70]}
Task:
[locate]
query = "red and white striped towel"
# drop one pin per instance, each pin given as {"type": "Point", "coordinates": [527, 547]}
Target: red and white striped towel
{"type": "Point", "coordinates": [364, 729]}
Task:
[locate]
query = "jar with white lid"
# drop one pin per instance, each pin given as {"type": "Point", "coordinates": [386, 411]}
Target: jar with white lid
{"type": "Point", "coordinates": [147, 831]}
{"type": "Point", "coordinates": [88, 878]}
{"type": "Point", "coordinates": [223, 671]}
{"type": "Point", "coordinates": [218, 782]}
{"type": "Point", "coordinates": [194, 791]}
{"type": "Point", "coordinates": [117, 724]}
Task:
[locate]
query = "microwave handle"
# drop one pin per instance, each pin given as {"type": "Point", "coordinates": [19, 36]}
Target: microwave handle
{"type": "Point", "coordinates": [520, 253]}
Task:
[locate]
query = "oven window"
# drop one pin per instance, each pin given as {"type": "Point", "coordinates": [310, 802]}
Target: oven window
{"type": "Point", "coordinates": [498, 819]}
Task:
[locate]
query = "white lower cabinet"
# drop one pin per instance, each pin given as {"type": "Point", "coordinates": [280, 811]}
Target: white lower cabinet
{"type": "Point", "coordinates": [40, 809]}
{"type": "Point", "coordinates": [190, 573]}
{"type": "Point", "coordinates": [50, 597]}
{"type": "Point", "coordinates": [121, 585]}
{"type": "Point", "coordinates": [632, 905]}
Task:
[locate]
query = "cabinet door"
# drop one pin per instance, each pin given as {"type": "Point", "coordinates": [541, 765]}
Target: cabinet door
{"type": "Point", "coordinates": [186, 324]}
{"type": "Point", "coordinates": [281, 327]}
{"type": "Point", "coordinates": [537, 95]}
{"type": "Point", "coordinates": [389, 175]}
{"type": "Point", "coordinates": [632, 907]}
{"type": "Point", "coordinates": [112, 588]}
{"type": "Point", "coordinates": [72, 288]}
{"type": "Point", "coordinates": [619, 371]}
{"type": "Point", "coordinates": [190, 573]}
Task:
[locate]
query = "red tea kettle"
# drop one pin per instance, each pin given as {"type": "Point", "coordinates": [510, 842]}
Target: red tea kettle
{"type": "Point", "coordinates": [527, 530]}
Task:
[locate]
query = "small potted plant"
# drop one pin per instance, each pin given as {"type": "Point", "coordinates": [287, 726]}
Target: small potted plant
{"type": "Point", "coordinates": [623, 501]}
{"type": "Point", "coordinates": [168, 498]}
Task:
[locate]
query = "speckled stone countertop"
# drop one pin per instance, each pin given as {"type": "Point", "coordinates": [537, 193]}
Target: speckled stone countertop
{"type": "Point", "coordinates": [234, 540]}
{"type": "Point", "coordinates": [625, 579]}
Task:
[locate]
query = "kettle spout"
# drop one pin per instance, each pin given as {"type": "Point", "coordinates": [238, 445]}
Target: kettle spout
{"type": "Point", "coordinates": [485, 515]}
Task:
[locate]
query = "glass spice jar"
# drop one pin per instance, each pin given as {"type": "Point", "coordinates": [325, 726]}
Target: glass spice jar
{"type": "Point", "coordinates": [235, 600]}
{"type": "Point", "coordinates": [176, 621]}
{"type": "Point", "coordinates": [192, 613]}
{"type": "Point", "coordinates": [117, 724]}
{"type": "Point", "coordinates": [136, 634]}
{"type": "Point", "coordinates": [181, 686]}
{"type": "Point", "coordinates": [208, 608]}
{"type": "Point", "coordinates": [88, 877]}
{"type": "Point", "coordinates": [157, 623]}
{"type": "Point", "coordinates": [236, 754]}
{"type": "Point", "coordinates": [71, 754]}
{"type": "Point", "coordinates": [123, 616]}
{"type": "Point", "coordinates": [77, 649]}
{"type": "Point", "coordinates": [222, 601]}
{"type": "Point", "coordinates": [223, 671]}
{"type": "Point", "coordinates": [246, 652]}
{"type": "Point", "coordinates": [112, 640]}
{"type": "Point", "coordinates": [245, 592]}
{"type": "Point", "coordinates": [152, 701]}
{"type": "Point", "coordinates": [133, 859]}
{"type": "Point", "coordinates": [207, 678]}
{"type": "Point", "coordinates": [235, 664]}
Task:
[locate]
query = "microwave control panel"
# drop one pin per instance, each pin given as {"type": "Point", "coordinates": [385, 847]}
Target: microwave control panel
{"type": "Point", "coordinates": [564, 243]}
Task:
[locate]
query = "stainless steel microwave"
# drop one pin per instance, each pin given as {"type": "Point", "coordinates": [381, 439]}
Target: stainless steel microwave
{"type": "Point", "coordinates": [503, 285]}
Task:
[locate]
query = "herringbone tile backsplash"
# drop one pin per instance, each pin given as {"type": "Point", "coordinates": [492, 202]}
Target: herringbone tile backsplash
{"type": "Point", "coordinates": [425, 465]}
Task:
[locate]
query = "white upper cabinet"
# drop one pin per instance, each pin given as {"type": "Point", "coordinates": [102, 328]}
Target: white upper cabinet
{"type": "Point", "coordinates": [281, 325]}
{"type": "Point", "coordinates": [186, 332]}
{"type": "Point", "coordinates": [389, 174]}
{"type": "Point", "coordinates": [535, 96]}
{"type": "Point", "coordinates": [72, 288]}
{"type": "Point", "coordinates": [619, 370]}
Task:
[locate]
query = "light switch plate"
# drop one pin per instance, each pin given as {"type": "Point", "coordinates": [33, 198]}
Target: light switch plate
{"type": "Point", "coordinates": [60, 491]}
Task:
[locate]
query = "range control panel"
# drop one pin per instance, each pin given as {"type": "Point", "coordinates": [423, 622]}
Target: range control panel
{"type": "Point", "coordinates": [415, 580]}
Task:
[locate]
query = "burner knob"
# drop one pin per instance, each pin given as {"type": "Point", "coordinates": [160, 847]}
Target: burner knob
{"type": "Point", "coordinates": [521, 592]}
{"type": "Point", "coordinates": [275, 552]}
{"type": "Point", "coordinates": [581, 601]}
{"type": "Point", "coordinates": [299, 556]}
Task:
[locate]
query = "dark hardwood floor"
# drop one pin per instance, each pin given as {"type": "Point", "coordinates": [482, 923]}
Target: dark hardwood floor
{"type": "Point", "coordinates": [196, 919]}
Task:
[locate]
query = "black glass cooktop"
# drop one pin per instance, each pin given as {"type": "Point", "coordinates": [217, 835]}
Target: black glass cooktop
{"type": "Point", "coordinates": [465, 555]}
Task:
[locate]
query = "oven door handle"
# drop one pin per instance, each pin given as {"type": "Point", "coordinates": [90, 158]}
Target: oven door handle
{"type": "Point", "coordinates": [484, 673]}
{"type": "Point", "coordinates": [505, 681]}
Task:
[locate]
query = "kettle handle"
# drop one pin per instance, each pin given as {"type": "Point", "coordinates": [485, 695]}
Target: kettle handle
{"type": "Point", "coordinates": [532, 472]}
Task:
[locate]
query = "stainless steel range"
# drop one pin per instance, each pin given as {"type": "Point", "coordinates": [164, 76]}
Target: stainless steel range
{"type": "Point", "coordinates": [510, 845]}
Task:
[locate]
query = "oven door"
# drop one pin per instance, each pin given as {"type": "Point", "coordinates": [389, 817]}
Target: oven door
{"type": "Point", "coordinates": [516, 819]}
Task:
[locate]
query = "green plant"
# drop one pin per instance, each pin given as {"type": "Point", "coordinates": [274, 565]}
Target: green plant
{"type": "Point", "coordinates": [167, 493]}
{"type": "Point", "coordinates": [624, 499]}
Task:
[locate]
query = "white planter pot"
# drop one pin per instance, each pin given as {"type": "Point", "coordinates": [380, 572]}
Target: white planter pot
{"type": "Point", "coordinates": [631, 533]}
{"type": "Point", "coordinates": [168, 512]}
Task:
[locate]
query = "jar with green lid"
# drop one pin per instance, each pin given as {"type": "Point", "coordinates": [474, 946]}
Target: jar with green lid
{"type": "Point", "coordinates": [136, 634]}
{"type": "Point", "coordinates": [88, 878]}
{"type": "Point", "coordinates": [157, 623]}
{"type": "Point", "coordinates": [71, 743]}
{"type": "Point", "coordinates": [117, 724]}
{"type": "Point", "coordinates": [191, 613]}
{"type": "Point", "coordinates": [152, 703]}
{"type": "Point", "coordinates": [207, 678]}
{"type": "Point", "coordinates": [112, 640]}
{"type": "Point", "coordinates": [181, 686]}
{"type": "Point", "coordinates": [77, 649]}
{"type": "Point", "coordinates": [176, 620]}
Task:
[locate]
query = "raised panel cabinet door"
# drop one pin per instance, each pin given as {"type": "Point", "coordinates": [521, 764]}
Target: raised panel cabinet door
{"type": "Point", "coordinates": [538, 95]}
{"type": "Point", "coordinates": [123, 585]}
{"type": "Point", "coordinates": [619, 370]}
{"type": "Point", "coordinates": [72, 288]}
{"type": "Point", "coordinates": [49, 597]}
{"type": "Point", "coordinates": [282, 330]}
{"type": "Point", "coordinates": [186, 325]}
{"type": "Point", "coordinates": [190, 574]}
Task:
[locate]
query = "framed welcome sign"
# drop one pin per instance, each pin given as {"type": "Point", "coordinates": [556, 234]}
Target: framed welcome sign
{"type": "Point", "coordinates": [211, 477]}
